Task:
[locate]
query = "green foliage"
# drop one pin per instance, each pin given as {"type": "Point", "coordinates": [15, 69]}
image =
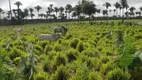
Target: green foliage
{"type": "Point", "coordinates": [127, 51]}
{"type": "Point", "coordinates": [74, 43]}
{"type": "Point", "coordinates": [95, 76]}
{"type": "Point", "coordinates": [60, 74]}
{"type": "Point", "coordinates": [82, 73]}
{"type": "Point", "coordinates": [80, 46]}
{"type": "Point", "coordinates": [47, 49]}
{"type": "Point", "coordinates": [41, 76]}
{"type": "Point", "coordinates": [118, 74]}
{"type": "Point", "coordinates": [72, 55]}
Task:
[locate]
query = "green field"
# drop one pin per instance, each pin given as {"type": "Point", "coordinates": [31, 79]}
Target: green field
{"type": "Point", "coordinates": [86, 52]}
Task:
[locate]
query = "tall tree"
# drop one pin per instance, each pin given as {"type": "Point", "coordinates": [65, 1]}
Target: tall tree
{"type": "Point", "coordinates": [89, 8]}
{"type": "Point", "coordinates": [141, 9]}
{"type": "Point", "coordinates": [69, 9]}
{"type": "Point", "coordinates": [10, 11]}
{"type": "Point", "coordinates": [18, 4]}
{"type": "Point", "coordinates": [56, 10]}
{"type": "Point", "coordinates": [51, 7]}
{"type": "Point", "coordinates": [14, 11]}
{"type": "Point", "coordinates": [105, 12]}
{"type": "Point", "coordinates": [26, 13]}
{"type": "Point", "coordinates": [117, 6]}
{"type": "Point", "coordinates": [132, 10]}
{"type": "Point", "coordinates": [31, 12]}
{"type": "Point", "coordinates": [38, 8]}
{"type": "Point", "coordinates": [78, 10]}
{"type": "Point", "coordinates": [124, 5]}
{"type": "Point", "coordinates": [107, 5]}
{"type": "Point", "coordinates": [0, 12]}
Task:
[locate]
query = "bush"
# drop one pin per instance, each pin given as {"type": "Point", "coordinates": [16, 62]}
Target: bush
{"type": "Point", "coordinates": [41, 76]}
{"type": "Point", "coordinates": [60, 74]}
{"type": "Point", "coordinates": [38, 49]}
{"type": "Point", "coordinates": [43, 44]}
{"type": "Point", "coordinates": [105, 59]}
{"type": "Point", "coordinates": [107, 67]}
{"type": "Point", "coordinates": [58, 60]}
{"type": "Point", "coordinates": [72, 55]}
{"type": "Point", "coordinates": [46, 65]}
{"type": "Point", "coordinates": [91, 53]}
{"type": "Point", "coordinates": [95, 76]}
{"type": "Point", "coordinates": [16, 53]}
{"type": "Point", "coordinates": [58, 48]}
{"type": "Point", "coordinates": [16, 60]}
{"type": "Point", "coordinates": [74, 43]}
{"type": "Point", "coordinates": [82, 73]}
{"type": "Point", "coordinates": [118, 74]}
{"type": "Point", "coordinates": [47, 49]}
{"type": "Point", "coordinates": [80, 47]}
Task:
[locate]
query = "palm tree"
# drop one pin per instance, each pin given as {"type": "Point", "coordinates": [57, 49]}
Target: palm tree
{"type": "Point", "coordinates": [38, 8]}
{"type": "Point", "coordinates": [31, 12]}
{"type": "Point", "coordinates": [8, 14]}
{"type": "Point", "coordinates": [124, 5]}
{"type": "Point", "coordinates": [98, 11]}
{"type": "Point", "coordinates": [117, 6]}
{"type": "Point", "coordinates": [26, 13]}
{"type": "Point", "coordinates": [32, 15]}
{"type": "Point", "coordinates": [10, 10]}
{"type": "Point", "coordinates": [105, 12]}
{"type": "Point", "coordinates": [89, 8]}
{"type": "Point", "coordinates": [77, 10]}
{"type": "Point", "coordinates": [0, 12]}
{"type": "Point", "coordinates": [141, 9]}
{"type": "Point", "coordinates": [107, 5]}
{"type": "Point", "coordinates": [114, 10]}
{"type": "Point", "coordinates": [14, 11]}
{"type": "Point", "coordinates": [132, 10]}
{"type": "Point", "coordinates": [61, 9]}
{"type": "Point", "coordinates": [69, 9]}
{"type": "Point", "coordinates": [51, 7]}
{"type": "Point", "coordinates": [56, 10]}
{"type": "Point", "coordinates": [18, 4]}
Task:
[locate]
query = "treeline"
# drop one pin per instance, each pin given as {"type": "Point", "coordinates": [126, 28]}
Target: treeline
{"type": "Point", "coordinates": [83, 10]}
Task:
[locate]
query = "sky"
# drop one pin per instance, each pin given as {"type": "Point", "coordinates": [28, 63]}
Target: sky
{"type": "Point", "coordinates": [45, 3]}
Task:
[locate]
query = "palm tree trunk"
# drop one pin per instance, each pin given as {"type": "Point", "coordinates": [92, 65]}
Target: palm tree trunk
{"type": "Point", "coordinates": [10, 11]}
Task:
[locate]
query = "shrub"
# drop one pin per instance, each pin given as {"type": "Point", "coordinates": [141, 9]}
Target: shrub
{"type": "Point", "coordinates": [58, 60]}
{"type": "Point", "coordinates": [91, 52]}
{"type": "Point", "coordinates": [72, 55]}
{"type": "Point", "coordinates": [43, 44]}
{"type": "Point", "coordinates": [80, 47]}
{"type": "Point", "coordinates": [46, 65]}
{"type": "Point", "coordinates": [38, 49]}
{"type": "Point", "coordinates": [95, 76]}
{"type": "Point", "coordinates": [105, 68]}
{"type": "Point", "coordinates": [60, 74]}
{"type": "Point", "coordinates": [74, 43]}
{"type": "Point", "coordinates": [58, 48]}
{"type": "Point", "coordinates": [41, 76]}
{"type": "Point", "coordinates": [47, 49]}
{"type": "Point", "coordinates": [105, 59]}
{"type": "Point", "coordinates": [16, 60]}
{"type": "Point", "coordinates": [16, 53]}
{"type": "Point", "coordinates": [118, 74]}
{"type": "Point", "coordinates": [82, 73]}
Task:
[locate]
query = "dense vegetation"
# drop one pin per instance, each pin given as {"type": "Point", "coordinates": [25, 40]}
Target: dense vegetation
{"type": "Point", "coordinates": [96, 51]}
{"type": "Point", "coordinates": [83, 10]}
